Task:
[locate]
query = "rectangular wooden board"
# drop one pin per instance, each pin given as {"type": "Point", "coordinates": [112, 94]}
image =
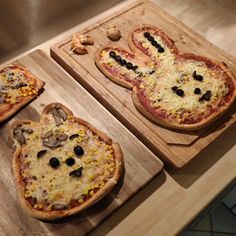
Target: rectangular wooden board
{"type": "Point", "coordinates": [141, 165]}
{"type": "Point", "coordinates": [175, 148]}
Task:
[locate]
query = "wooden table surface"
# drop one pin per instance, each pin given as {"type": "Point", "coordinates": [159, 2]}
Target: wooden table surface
{"type": "Point", "coordinates": [166, 208]}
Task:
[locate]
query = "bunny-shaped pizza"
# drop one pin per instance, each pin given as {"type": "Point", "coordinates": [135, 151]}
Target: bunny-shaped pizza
{"type": "Point", "coordinates": [62, 164]}
{"type": "Point", "coordinates": [181, 91]}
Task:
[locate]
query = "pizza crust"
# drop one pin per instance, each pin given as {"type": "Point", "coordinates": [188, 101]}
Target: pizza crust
{"type": "Point", "coordinates": [57, 214]}
{"type": "Point", "coordinates": [7, 110]}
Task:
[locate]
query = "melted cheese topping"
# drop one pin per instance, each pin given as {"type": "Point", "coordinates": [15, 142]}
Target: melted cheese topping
{"type": "Point", "coordinates": [174, 72]}
{"type": "Point", "coordinates": [14, 84]}
{"type": "Point", "coordinates": [160, 93]}
{"type": "Point", "coordinates": [51, 186]}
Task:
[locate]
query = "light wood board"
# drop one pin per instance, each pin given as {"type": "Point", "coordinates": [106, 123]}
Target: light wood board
{"type": "Point", "coordinates": [176, 148]}
{"type": "Point", "coordinates": [141, 165]}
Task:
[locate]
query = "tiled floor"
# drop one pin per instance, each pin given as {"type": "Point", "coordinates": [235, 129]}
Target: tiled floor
{"type": "Point", "coordinates": [219, 220]}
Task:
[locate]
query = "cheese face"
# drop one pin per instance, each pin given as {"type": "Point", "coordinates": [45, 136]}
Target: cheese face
{"type": "Point", "coordinates": [159, 87]}
{"type": "Point", "coordinates": [14, 85]}
{"type": "Point", "coordinates": [54, 186]}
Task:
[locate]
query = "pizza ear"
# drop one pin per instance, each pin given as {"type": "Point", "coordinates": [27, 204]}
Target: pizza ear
{"type": "Point", "coordinates": [58, 112]}
{"type": "Point", "coordinates": [19, 130]}
{"type": "Point", "coordinates": [123, 67]}
{"type": "Point", "coordinates": [148, 31]}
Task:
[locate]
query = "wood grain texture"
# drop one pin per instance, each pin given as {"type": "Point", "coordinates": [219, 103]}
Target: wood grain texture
{"type": "Point", "coordinates": [176, 148]}
{"type": "Point", "coordinates": [141, 165]}
{"type": "Point", "coordinates": [157, 209]}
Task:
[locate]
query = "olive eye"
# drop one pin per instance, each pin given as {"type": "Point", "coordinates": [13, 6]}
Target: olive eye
{"type": "Point", "coordinates": [197, 90]}
{"type": "Point", "coordinates": [70, 161]}
{"type": "Point", "coordinates": [78, 150]}
{"type": "Point", "coordinates": [54, 162]}
{"type": "Point", "coordinates": [179, 92]}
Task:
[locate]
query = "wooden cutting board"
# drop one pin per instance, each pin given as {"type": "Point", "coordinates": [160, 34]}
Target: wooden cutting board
{"type": "Point", "coordinates": [175, 147]}
{"type": "Point", "coordinates": [141, 165]}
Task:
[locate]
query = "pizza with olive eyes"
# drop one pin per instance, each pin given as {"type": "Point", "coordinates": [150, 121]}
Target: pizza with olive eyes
{"type": "Point", "coordinates": [181, 91]}
{"type": "Point", "coordinates": [62, 164]}
{"type": "Point", "coordinates": [18, 86]}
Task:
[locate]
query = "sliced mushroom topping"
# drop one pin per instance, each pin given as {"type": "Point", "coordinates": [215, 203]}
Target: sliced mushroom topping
{"type": "Point", "coordinates": [61, 136]}
{"type": "Point", "coordinates": [41, 153]}
{"type": "Point", "coordinates": [47, 134]}
{"type": "Point", "coordinates": [27, 130]}
{"type": "Point", "coordinates": [57, 116]}
{"type": "Point", "coordinates": [10, 77]}
{"type": "Point", "coordinates": [1, 100]}
{"type": "Point", "coordinates": [17, 129]}
{"type": "Point", "coordinates": [18, 84]}
{"type": "Point", "coordinates": [52, 142]}
{"type": "Point", "coordinates": [20, 138]}
{"type": "Point", "coordinates": [63, 114]}
{"type": "Point", "coordinates": [3, 89]}
{"type": "Point", "coordinates": [19, 135]}
{"type": "Point", "coordinates": [59, 206]}
{"type": "Point", "coordinates": [73, 136]}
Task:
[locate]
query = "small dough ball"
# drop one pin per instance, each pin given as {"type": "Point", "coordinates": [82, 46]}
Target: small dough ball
{"type": "Point", "coordinates": [113, 33]}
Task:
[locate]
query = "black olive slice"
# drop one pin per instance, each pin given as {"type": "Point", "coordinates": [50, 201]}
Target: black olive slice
{"type": "Point", "coordinates": [151, 72]}
{"type": "Point", "coordinates": [179, 92]}
{"type": "Point", "coordinates": [77, 172]}
{"type": "Point", "coordinates": [129, 66]}
{"type": "Point", "coordinates": [54, 162]}
{"type": "Point", "coordinates": [197, 90]}
{"type": "Point", "coordinates": [206, 96]}
{"type": "Point", "coordinates": [174, 88]}
{"type": "Point", "coordinates": [78, 150]}
{"type": "Point", "coordinates": [41, 153]}
{"type": "Point", "coordinates": [154, 43]}
{"type": "Point", "coordinates": [122, 62]}
{"type": "Point", "coordinates": [197, 77]}
{"type": "Point", "coordinates": [112, 54]}
{"type": "Point", "coordinates": [118, 58]}
{"type": "Point", "coordinates": [161, 49]}
{"type": "Point", "coordinates": [150, 38]}
{"type": "Point", "coordinates": [146, 34]}
{"type": "Point", "coordinates": [73, 136]}
{"type": "Point", "coordinates": [70, 161]}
